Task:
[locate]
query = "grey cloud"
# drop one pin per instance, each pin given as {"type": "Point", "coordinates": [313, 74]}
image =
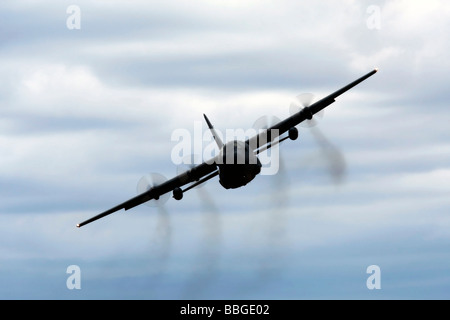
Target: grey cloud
{"type": "Point", "coordinates": [107, 97]}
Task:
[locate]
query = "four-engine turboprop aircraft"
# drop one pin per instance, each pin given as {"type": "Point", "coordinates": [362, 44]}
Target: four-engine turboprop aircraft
{"type": "Point", "coordinates": [237, 162]}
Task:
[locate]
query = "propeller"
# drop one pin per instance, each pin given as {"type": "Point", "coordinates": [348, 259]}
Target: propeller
{"type": "Point", "coordinates": [334, 158]}
{"type": "Point", "coordinates": [263, 123]}
{"type": "Point", "coordinates": [187, 163]}
{"type": "Point", "coordinates": [305, 100]}
{"type": "Point", "coordinates": [149, 181]}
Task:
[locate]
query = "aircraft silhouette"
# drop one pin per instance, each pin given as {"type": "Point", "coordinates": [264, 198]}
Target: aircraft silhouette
{"type": "Point", "coordinates": [237, 162]}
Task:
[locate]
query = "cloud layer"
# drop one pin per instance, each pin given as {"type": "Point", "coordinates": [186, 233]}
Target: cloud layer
{"type": "Point", "coordinates": [85, 113]}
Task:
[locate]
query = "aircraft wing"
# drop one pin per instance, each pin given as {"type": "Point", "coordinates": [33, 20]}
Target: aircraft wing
{"type": "Point", "coordinates": [304, 114]}
{"type": "Point", "coordinates": [206, 171]}
{"type": "Point", "coordinates": [197, 175]}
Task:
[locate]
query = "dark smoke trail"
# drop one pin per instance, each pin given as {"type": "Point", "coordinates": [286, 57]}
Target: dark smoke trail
{"type": "Point", "coordinates": [209, 253]}
{"type": "Point", "coordinates": [335, 161]}
{"type": "Point", "coordinates": [161, 243]}
{"type": "Point", "coordinates": [270, 258]}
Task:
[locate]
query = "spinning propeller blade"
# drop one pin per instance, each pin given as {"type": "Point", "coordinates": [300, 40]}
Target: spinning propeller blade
{"type": "Point", "coordinates": [149, 181]}
{"type": "Point", "coordinates": [302, 101]}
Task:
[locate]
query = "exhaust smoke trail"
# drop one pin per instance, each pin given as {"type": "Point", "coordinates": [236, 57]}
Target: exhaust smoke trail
{"type": "Point", "coordinates": [207, 261]}
{"type": "Point", "coordinates": [269, 260]}
{"type": "Point", "coordinates": [333, 157]}
{"type": "Point", "coordinates": [160, 247]}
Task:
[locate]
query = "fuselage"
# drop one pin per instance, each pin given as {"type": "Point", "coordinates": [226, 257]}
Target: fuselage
{"type": "Point", "coordinates": [237, 164]}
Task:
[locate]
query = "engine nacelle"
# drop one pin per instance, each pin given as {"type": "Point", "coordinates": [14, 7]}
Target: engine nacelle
{"type": "Point", "coordinates": [177, 194]}
{"type": "Point", "coordinates": [237, 164]}
{"type": "Point", "coordinates": [293, 133]}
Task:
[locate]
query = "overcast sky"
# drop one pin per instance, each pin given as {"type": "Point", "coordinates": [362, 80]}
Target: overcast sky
{"type": "Point", "coordinates": [85, 113]}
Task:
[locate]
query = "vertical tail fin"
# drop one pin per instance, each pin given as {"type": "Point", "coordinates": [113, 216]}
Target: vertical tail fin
{"type": "Point", "coordinates": [214, 133]}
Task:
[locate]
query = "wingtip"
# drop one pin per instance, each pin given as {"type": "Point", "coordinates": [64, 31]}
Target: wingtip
{"type": "Point", "coordinates": [78, 225]}
{"type": "Point", "coordinates": [376, 69]}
